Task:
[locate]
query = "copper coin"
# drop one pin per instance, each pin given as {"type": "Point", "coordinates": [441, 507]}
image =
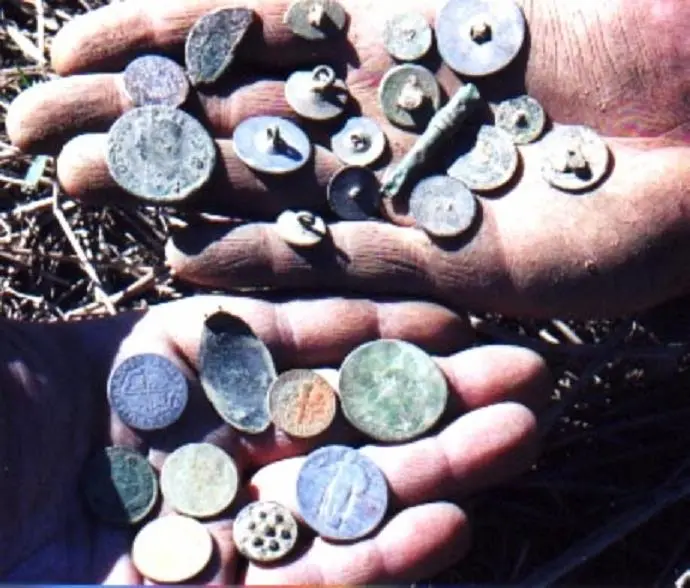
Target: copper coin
{"type": "Point", "coordinates": [264, 531]}
{"type": "Point", "coordinates": [154, 79]}
{"type": "Point", "coordinates": [522, 117]}
{"type": "Point", "coordinates": [315, 20]}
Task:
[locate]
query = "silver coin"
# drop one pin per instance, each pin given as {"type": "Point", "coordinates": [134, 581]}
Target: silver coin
{"type": "Point", "coordinates": [271, 144]}
{"type": "Point", "coordinates": [407, 36]}
{"type": "Point", "coordinates": [159, 154]}
{"type": "Point", "coordinates": [479, 37]}
{"type": "Point", "coordinates": [315, 20]}
{"type": "Point", "coordinates": [154, 79]}
{"type": "Point", "coordinates": [354, 194]}
{"type": "Point", "coordinates": [301, 228]}
{"type": "Point", "coordinates": [148, 392]}
{"type": "Point", "coordinates": [522, 117]}
{"type": "Point", "coordinates": [443, 206]}
{"type": "Point", "coordinates": [316, 94]}
{"type": "Point", "coordinates": [212, 42]}
{"type": "Point", "coordinates": [409, 95]}
{"type": "Point", "coordinates": [341, 494]}
{"type": "Point", "coordinates": [264, 531]}
{"type": "Point", "coordinates": [360, 142]}
{"type": "Point", "coordinates": [489, 160]}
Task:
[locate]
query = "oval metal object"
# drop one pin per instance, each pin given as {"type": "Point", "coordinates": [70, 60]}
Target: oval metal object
{"type": "Point", "coordinates": [120, 486]}
{"type": "Point", "coordinates": [360, 142]}
{"type": "Point", "coordinates": [392, 390]}
{"type": "Point", "coordinates": [409, 95]}
{"type": "Point", "coordinates": [159, 154]}
{"type": "Point", "coordinates": [316, 94]}
{"type": "Point", "coordinates": [407, 36]}
{"type": "Point", "coordinates": [354, 194]}
{"type": "Point", "coordinates": [341, 494]}
{"type": "Point", "coordinates": [301, 228]}
{"type": "Point", "coordinates": [148, 392]}
{"type": "Point", "coordinates": [522, 117]}
{"type": "Point", "coordinates": [315, 20]}
{"type": "Point", "coordinates": [265, 531]}
{"type": "Point", "coordinates": [154, 79]}
{"type": "Point", "coordinates": [479, 37]}
{"type": "Point", "coordinates": [199, 480]}
{"type": "Point", "coordinates": [171, 549]}
{"type": "Point", "coordinates": [489, 160]}
{"type": "Point", "coordinates": [236, 369]}
{"type": "Point", "coordinates": [271, 144]}
{"type": "Point", "coordinates": [212, 42]}
{"type": "Point", "coordinates": [443, 206]}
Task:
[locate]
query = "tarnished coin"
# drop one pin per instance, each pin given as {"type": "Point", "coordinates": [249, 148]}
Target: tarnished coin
{"type": "Point", "coordinates": [353, 193]}
{"type": "Point", "coordinates": [409, 95]}
{"type": "Point", "coordinates": [264, 531]}
{"type": "Point", "coordinates": [120, 486]}
{"type": "Point", "coordinates": [341, 494]}
{"type": "Point", "coordinates": [360, 142]}
{"type": "Point", "coordinates": [315, 19]}
{"type": "Point", "coordinates": [522, 117]}
{"type": "Point", "coordinates": [301, 228]}
{"type": "Point", "coordinates": [148, 392]}
{"type": "Point", "coordinates": [159, 154]}
{"type": "Point", "coordinates": [154, 79]}
{"type": "Point", "coordinates": [479, 37]}
{"type": "Point", "coordinates": [407, 36]}
{"type": "Point", "coordinates": [199, 480]}
{"type": "Point", "coordinates": [574, 157]}
{"type": "Point", "coordinates": [301, 403]}
{"type": "Point", "coordinates": [212, 42]}
{"type": "Point", "coordinates": [172, 549]}
{"type": "Point", "coordinates": [316, 94]}
{"type": "Point", "coordinates": [489, 159]}
{"type": "Point", "coordinates": [392, 390]}
{"type": "Point", "coordinates": [271, 144]}
{"type": "Point", "coordinates": [443, 206]}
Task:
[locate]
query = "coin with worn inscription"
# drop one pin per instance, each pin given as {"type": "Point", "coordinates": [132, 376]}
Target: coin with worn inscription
{"type": "Point", "coordinates": [264, 531]}
{"type": "Point", "coordinates": [354, 194]}
{"type": "Point", "coordinates": [119, 485]}
{"type": "Point", "coordinates": [315, 20]}
{"type": "Point", "coordinates": [443, 206]}
{"type": "Point", "coordinates": [236, 369]}
{"type": "Point", "coordinates": [148, 392]}
{"type": "Point", "coordinates": [407, 36]}
{"type": "Point", "coordinates": [391, 390]}
{"type": "Point", "coordinates": [154, 79]}
{"type": "Point", "coordinates": [360, 142]}
{"type": "Point", "coordinates": [199, 480]}
{"type": "Point", "coordinates": [489, 159]}
{"type": "Point", "coordinates": [301, 228]}
{"type": "Point", "coordinates": [212, 43]}
{"type": "Point", "coordinates": [522, 117]}
{"type": "Point", "coordinates": [409, 95]}
{"type": "Point", "coordinates": [171, 549]}
{"type": "Point", "coordinates": [316, 94]}
{"type": "Point", "coordinates": [341, 493]}
{"type": "Point", "coordinates": [479, 37]}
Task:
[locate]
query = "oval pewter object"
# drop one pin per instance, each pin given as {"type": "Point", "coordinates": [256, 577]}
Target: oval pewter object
{"type": "Point", "coordinates": [409, 95]}
{"type": "Point", "coordinates": [443, 206]}
{"type": "Point", "coordinates": [407, 36]}
{"type": "Point", "coordinates": [354, 194]}
{"type": "Point", "coordinates": [316, 94]}
{"type": "Point", "coordinates": [522, 117]}
{"type": "Point", "coordinates": [301, 228]}
{"type": "Point", "coordinates": [341, 494]}
{"type": "Point", "coordinates": [154, 79]}
{"type": "Point", "coordinates": [315, 20]}
{"type": "Point", "coordinates": [236, 369]}
{"type": "Point", "coordinates": [360, 142]}
{"type": "Point", "coordinates": [479, 37]}
{"type": "Point", "coordinates": [212, 42]}
{"type": "Point", "coordinates": [148, 392]}
{"type": "Point", "coordinates": [392, 390]}
{"type": "Point", "coordinates": [159, 154]}
{"type": "Point", "coordinates": [490, 160]}
{"type": "Point", "coordinates": [264, 531]}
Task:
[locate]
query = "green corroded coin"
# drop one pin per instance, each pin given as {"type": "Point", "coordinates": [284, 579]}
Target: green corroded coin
{"type": "Point", "coordinates": [392, 390]}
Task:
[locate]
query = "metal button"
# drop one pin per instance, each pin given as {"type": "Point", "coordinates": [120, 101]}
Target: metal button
{"type": "Point", "coordinates": [407, 36]}
{"type": "Point", "coordinates": [301, 229]}
{"type": "Point", "coordinates": [316, 94]}
{"type": "Point", "coordinates": [353, 194]}
{"type": "Point", "coordinates": [264, 531]}
{"type": "Point", "coordinates": [315, 19]}
{"type": "Point", "coordinates": [409, 95]}
{"type": "Point", "coordinates": [360, 142]}
{"type": "Point", "coordinates": [522, 117]}
{"type": "Point", "coordinates": [443, 206]}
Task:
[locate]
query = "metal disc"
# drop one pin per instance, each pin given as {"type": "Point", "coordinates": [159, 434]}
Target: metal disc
{"type": "Point", "coordinates": [148, 392]}
{"type": "Point", "coordinates": [264, 531]}
{"type": "Point", "coordinates": [271, 144]}
{"type": "Point", "coordinates": [353, 194]}
{"type": "Point", "coordinates": [360, 142]}
{"type": "Point", "coordinates": [479, 37]}
{"type": "Point", "coordinates": [522, 117]}
{"type": "Point", "coordinates": [159, 154]}
{"type": "Point", "coordinates": [409, 95]}
{"type": "Point", "coordinates": [574, 157]}
{"type": "Point", "coordinates": [443, 206]}
{"type": "Point", "coordinates": [315, 20]}
{"type": "Point", "coordinates": [488, 161]}
{"type": "Point", "coordinates": [154, 79]}
{"type": "Point", "coordinates": [392, 390]}
{"type": "Point", "coordinates": [316, 94]}
{"type": "Point", "coordinates": [301, 228]}
{"type": "Point", "coordinates": [341, 494]}
{"type": "Point", "coordinates": [212, 42]}
{"type": "Point", "coordinates": [407, 36]}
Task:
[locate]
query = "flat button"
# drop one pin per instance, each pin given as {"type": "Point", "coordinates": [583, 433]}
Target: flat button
{"type": "Point", "coordinates": [407, 36]}
{"type": "Point", "coordinates": [443, 206]}
{"type": "Point", "coordinates": [360, 142]}
{"type": "Point", "coordinates": [301, 228]}
{"type": "Point", "coordinates": [265, 531]}
{"type": "Point", "coordinates": [353, 194]}
{"type": "Point", "coordinates": [315, 20]}
{"type": "Point", "coordinates": [316, 94]}
{"type": "Point", "coordinates": [409, 95]}
{"type": "Point", "coordinates": [522, 117]}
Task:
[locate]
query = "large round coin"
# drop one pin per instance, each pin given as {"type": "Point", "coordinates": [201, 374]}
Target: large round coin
{"type": "Point", "coordinates": [407, 36]}
{"type": "Point", "coordinates": [154, 79]}
{"type": "Point", "coordinates": [353, 194]}
{"type": "Point", "coordinates": [148, 392]}
{"type": "Point", "coordinates": [341, 494]}
{"type": "Point", "coordinates": [264, 531]}
{"type": "Point", "coordinates": [392, 390]}
{"type": "Point", "coordinates": [199, 480]}
{"type": "Point", "coordinates": [409, 95]}
{"type": "Point", "coordinates": [360, 142]}
{"type": "Point", "coordinates": [159, 154]}
{"type": "Point", "coordinates": [443, 206]}
{"type": "Point", "coordinates": [522, 117]}
{"type": "Point", "coordinates": [479, 37]}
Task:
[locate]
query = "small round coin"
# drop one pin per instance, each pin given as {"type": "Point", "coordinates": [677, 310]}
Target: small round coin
{"type": "Point", "coordinates": [148, 392]}
{"type": "Point", "coordinates": [407, 36]}
{"type": "Point", "coordinates": [171, 549]}
{"type": "Point", "coordinates": [315, 20]}
{"type": "Point", "coordinates": [522, 117]}
{"type": "Point", "coordinates": [264, 531]}
{"type": "Point", "coordinates": [301, 228]}
{"type": "Point", "coordinates": [409, 95]}
{"type": "Point", "coordinates": [199, 480]}
{"type": "Point", "coordinates": [443, 206]}
{"type": "Point", "coordinates": [392, 390]}
{"type": "Point", "coordinates": [489, 160]}
{"type": "Point", "coordinates": [316, 94]}
{"type": "Point", "coordinates": [154, 79]}
{"type": "Point", "coordinates": [360, 142]}
{"type": "Point", "coordinates": [341, 494]}
{"type": "Point", "coordinates": [353, 194]}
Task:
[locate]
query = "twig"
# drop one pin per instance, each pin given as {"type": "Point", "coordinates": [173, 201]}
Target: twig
{"type": "Point", "coordinates": [567, 332]}
{"type": "Point", "coordinates": [41, 31]}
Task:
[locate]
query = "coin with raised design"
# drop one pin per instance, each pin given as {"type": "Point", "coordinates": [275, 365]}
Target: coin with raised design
{"type": "Point", "coordinates": [354, 194]}
{"type": "Point", "coordinates": [316, 94]}
{"type": "Point", "coordinates": [199, 480]}
{"type": "Point", "coordinates": [522, 117]}
{"type": "Point", "coordinates": [443, 206]}
{"type": "Point", "coordinates": [341, 493]}
{"type": "Point", "coordinates": [409, 95]}
{"type": "Point", "coordinates": [315, 20]}
{"type": "Point", "coordinates": [360, 142]}
{"type": "Point", "coordinates": [154, 79]}
{"type": "Point", "coordinates": [407, 36]}
{"type": "Point", "coordinates": [264, 531]}
{"type": "Point", "coordinates": [489, 159]}
{"type": "Point", "coordinates": [301, 228]}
